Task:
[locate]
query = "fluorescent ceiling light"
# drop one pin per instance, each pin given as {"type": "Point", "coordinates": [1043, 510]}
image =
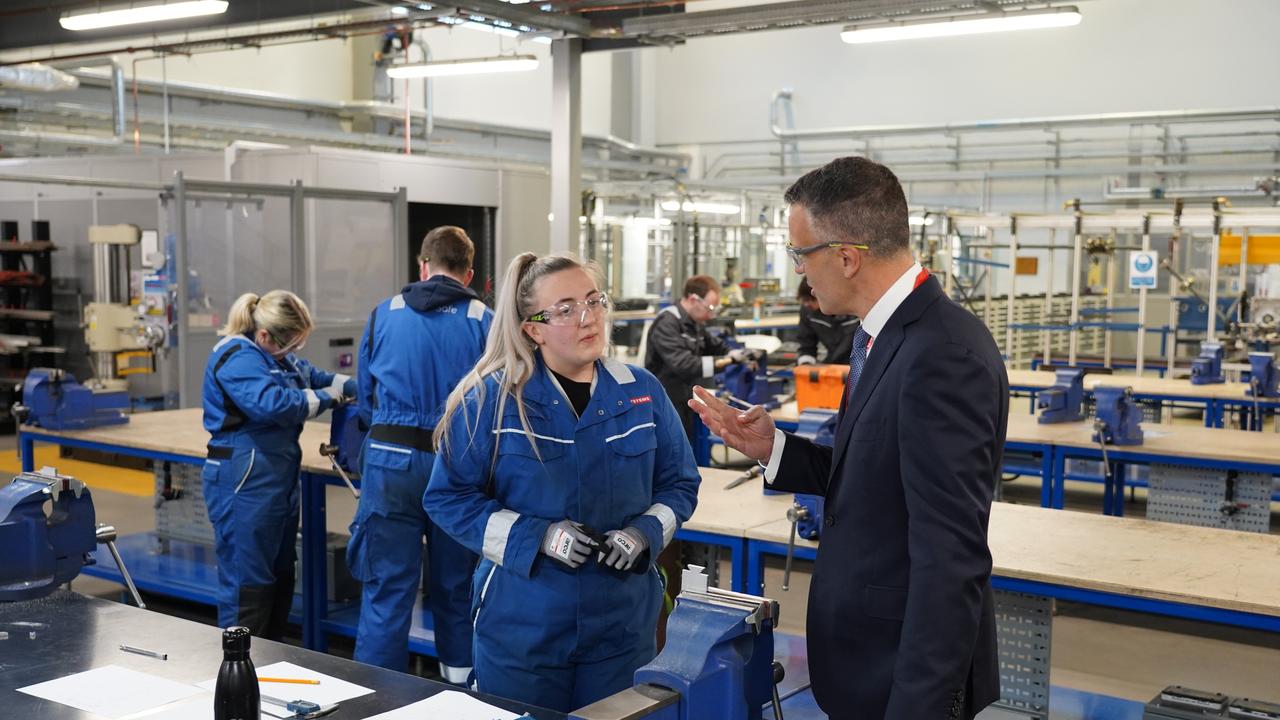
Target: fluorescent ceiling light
{"type": "Point", "coordinates": [141, 12]}
{"type": "Point", "coordinates": [916, 221]}
{"type": "Point", "coordinates": [708, 208]}
{"type": "Point", "coordinates": [996, 22]}
{"type": "Point", "coordinates": [475, 66]}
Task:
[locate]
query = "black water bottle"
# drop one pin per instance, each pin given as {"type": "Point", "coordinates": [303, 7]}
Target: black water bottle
{"type": "Point", "coordinates": [236, 695]}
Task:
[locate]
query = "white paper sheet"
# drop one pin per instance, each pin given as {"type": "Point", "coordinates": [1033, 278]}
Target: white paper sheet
{"type": "Point", "coordinates": [448, 704]}
{"type": "Point", "coordinates": [196, 708]}
{"type": "Point", "coordinates": [111, 691]}
{"type": "Point", "coordinates": [330, 690]}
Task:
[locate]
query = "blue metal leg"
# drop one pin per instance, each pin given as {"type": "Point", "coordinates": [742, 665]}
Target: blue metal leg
{"type": "Point", "coordinates": [1117, 500]}
{"type": "Point", "coordinates": [1059, 476]}
{"type": "Point", "coordinates": [314, 583]}
{"type": "Point", "coordinates": [755, 568]}
{"type": "Point", "coordinates": [1046, 477]}
{"type": "Point", "coordinates": [28, 450]}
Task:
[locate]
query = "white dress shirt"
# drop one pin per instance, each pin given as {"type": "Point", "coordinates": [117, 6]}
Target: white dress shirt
{"type": "Point", "coordinates": [873, 323]}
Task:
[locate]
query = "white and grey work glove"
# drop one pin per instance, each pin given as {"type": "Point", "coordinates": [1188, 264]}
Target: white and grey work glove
{"type": "Point", "coordinates": [565, 541]}
{"type": "Point", "coordinates": [806, 360]}
{"type": "Point", "coordinates": [738, 355]}
{"type": "Point", "coordinates": [624, 547]}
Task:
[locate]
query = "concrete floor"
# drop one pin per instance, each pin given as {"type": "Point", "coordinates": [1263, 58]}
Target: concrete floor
{"type": "Point", "coordinates": [1096, 650]}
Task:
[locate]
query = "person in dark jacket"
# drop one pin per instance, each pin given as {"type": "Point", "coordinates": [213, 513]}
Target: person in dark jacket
{"type": "Point", "coordinates": [416, 347]}
{"type": "Point", "coordinates": [901, 619]}
{"type": "Point", "coordinates": [834, 332]}
{"type": "Point", "coordinates": [680, 351]}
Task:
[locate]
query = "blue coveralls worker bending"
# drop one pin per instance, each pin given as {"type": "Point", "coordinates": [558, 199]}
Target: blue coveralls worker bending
{"type": "Point", "coordinates": [416, 347]}
{"type": "Point", "coordinates": [257, 394]}
{"type": "Point", "coordinates": [569, 473]}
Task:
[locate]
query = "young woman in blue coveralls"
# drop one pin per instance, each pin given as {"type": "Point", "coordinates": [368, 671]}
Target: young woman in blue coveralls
{"type": "Point", "coordinates": [568, 473]}
{"type": "Point", "coordinates": [257, 395]}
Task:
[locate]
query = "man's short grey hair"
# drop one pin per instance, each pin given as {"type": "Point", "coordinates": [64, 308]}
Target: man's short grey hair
{"type": "Point", "coordinates": [853, 199]}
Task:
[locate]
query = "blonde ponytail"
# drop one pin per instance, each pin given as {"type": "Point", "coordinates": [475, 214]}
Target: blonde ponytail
{"type": "Point", "coordinates": [240, 317]}
{"type": "Point", "coordinates": [279, 312]}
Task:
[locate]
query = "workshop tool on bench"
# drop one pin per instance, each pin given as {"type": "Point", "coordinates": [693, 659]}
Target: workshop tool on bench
{"type": "Point", "coordinates": [1206, 369]}
{"type": "Point", "coordinates": [754, 472]}
{"type": "Point", "coordinates": [1063, 402]}
{"type": "Point", "coordinates": [43, 551]}
{"type": "Point", "coordinates": [53, 400]}
{"type": "Point", "coordinates": [717, 662]}
{"type": "Point", "coordinates": [346, 436]}
{"type": "Point", "coordinates": [751, 381]}
{"type": "Point", "coordinates": [1118, 417]}
{"type": "Point", "coordinates": [1264, 381]}
{"type": "Point", "coordinates": [301, 709]}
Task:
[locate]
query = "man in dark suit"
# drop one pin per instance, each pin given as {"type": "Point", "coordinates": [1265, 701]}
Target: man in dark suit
{"type": "Point", "coordinates": [901, 621]}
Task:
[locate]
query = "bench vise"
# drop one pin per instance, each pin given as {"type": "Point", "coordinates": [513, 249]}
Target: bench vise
{"type": "Point", "coordinates": [1062, 402]}
{"type": "Point", "coordinates": [1264, 375]}
{"type": "Point", "coordinates": [346, 438]}
{"type": "Point", "coordinates": [752, 385]}
{"type": "Point", "coordinates": [1206, 369]}
{"type": "Point", "coordinates": [717, 663]}
{"type": "Point", "coordinates": [43, 551]}
{"type": "Point", "coordinates": [1119, 419]}
{"type": "Point", "coordinates": [53, 400]}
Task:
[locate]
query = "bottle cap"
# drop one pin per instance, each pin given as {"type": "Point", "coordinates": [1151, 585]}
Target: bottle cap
{"type": "Point", "coordinates": [235, 640]}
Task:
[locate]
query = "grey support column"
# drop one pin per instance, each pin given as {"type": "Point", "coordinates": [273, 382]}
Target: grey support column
{"type": "Point", "coordinates": [566, 143]}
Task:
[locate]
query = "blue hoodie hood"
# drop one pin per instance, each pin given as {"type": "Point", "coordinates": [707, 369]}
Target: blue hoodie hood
{"type": "Point", "coordinates": [436, 291]}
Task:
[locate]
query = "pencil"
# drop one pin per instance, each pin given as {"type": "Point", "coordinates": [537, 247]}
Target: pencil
{"type": "Point", "coordinates": [295, 681]}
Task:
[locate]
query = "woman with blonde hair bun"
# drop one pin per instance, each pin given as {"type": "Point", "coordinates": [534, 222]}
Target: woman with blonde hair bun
{"type": "Point", "coordinates": [257, 394]}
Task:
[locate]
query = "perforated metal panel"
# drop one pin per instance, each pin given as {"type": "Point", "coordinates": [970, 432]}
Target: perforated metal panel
{"type": "Point", "coordinates": [183, 518]}
{"type": "Point", "coordinates": [1191, 496]}
{"type": "Point", "coordinates": [1024, 625]}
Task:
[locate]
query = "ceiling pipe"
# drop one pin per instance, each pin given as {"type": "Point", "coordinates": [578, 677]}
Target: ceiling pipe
{"type": "Point", "coordinates": [1033, 123]}
{"type": "Point", "coordinates": [371, 108]}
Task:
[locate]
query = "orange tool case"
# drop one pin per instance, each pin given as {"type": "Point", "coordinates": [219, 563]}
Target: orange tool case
{"type": "Point", "coordinates": [820, 386]}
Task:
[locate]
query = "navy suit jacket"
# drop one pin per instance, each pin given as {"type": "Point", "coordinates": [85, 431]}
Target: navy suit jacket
{"type": "Point", "coordinates": [901, 616]}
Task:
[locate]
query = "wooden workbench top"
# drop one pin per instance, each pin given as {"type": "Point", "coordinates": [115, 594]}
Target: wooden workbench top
{"type": "Point", "coordinates": [1170, 387]}
{"type": "Point", "coordinates": [1183, 441]}
{"type": "Point", "coordinates": [771, 322]}
{"type": "Point", "coordinates": [731, 511]}
{"type": "Point", "coordinates": [1163, 561]}
{"type": "Point", "coordinates": [182, 432]}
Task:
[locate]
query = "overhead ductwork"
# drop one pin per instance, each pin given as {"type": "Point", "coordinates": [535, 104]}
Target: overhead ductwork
{"type": "Point", "coordinates": [36, 77]}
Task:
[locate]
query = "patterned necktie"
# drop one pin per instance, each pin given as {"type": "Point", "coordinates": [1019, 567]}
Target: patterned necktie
{"type": "Point", "coordinates": [857, 359]}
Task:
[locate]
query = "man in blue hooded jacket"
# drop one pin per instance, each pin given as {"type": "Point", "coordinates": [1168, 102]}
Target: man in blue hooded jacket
{"type": "Point", "coordinates": [416, 346]}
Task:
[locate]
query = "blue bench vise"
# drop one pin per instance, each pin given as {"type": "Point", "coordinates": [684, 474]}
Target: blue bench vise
{"type": "Point", "coordinates": [346, 439]}
{"type": "Point", "coordinates": [754, 386]}
{"type": "Point", "coordinates": [717, 663]}
{"type": "Point", "coordinates": [43, 551]}
{"type": "Point", "coordinates": [1264, 376]}
{"type": "Point", "coordinates": [53, 400]}
{"type": "Point", "coordinates": [1206, 369]}
{"type": "Point", "coordinates": [1064, 401]}
{"type": "Point", "coordinates": [1118, 417]}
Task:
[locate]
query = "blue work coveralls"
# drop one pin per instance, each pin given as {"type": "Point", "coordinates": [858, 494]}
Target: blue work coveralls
{"type": "Point", "coordinates": [254, 408]}
{"type": "Point", "coordinates": [416, 347]}
{"type": "Point", "coordinates": [546, 634]}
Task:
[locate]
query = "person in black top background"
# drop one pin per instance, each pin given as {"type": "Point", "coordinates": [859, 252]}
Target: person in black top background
{"type": "Point", "coordinates": [680, 351]}
{"type": "Point", "coordinates": [835, 332]}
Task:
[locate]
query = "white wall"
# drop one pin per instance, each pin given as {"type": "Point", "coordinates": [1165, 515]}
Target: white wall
{"type": "Point", "coordinates": [320, 70]}
{"type": "Point", "coordinates": [1125, 55]}
{"type": "Point", "coordinates": [522, 99]}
